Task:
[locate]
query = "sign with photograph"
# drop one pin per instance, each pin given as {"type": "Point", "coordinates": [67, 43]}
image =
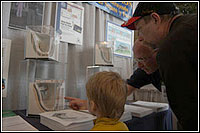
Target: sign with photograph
{"type": "Point", "coordinates": [69, 22]}
{"type": "Point", "coordinates": [6, 46]}
{"type": "Point", "coordinates": [122, 37]}
{"type": "Point", "coordinates": [23, 14]}
{"type": "Point", "coordinates": [122, 10]}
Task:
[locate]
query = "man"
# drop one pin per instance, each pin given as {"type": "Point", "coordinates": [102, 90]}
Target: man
{"type": "Point", "coordinates": [176, 36]}
{"type": "Point", "coordinates": [146, 73]}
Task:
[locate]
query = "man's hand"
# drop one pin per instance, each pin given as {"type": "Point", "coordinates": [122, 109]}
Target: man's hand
{"type": "Point", "coordinates": [76, 103]}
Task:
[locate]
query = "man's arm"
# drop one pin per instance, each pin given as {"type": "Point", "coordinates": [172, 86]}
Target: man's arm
{"type": "Point", "coordinates": [79, 104]}
{"type": "Point", "coordinates": [76, 103]}
{"type": "Point", "coordinates": [130, 89]}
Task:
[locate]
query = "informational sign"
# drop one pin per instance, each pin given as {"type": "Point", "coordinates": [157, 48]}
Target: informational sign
{"type": "Point", "coordinates": [23, 14]}
{"type": "Point", "coordinates": [6, 46]}
{"type": "Point", "coordinates": [69, 22]}
{"type": "Point", "coordinates": [122, 10]}
{"type": "Point", "coordinates": [122, 37]}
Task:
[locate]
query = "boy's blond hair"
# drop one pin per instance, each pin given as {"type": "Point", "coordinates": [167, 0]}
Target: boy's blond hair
{"type": "Point", "coordinates": [108, 91]}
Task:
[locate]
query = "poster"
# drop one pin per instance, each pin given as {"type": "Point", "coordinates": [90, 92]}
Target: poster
{"type": "Point", "coordinates": [123, 39]}
{"type": "Point", "coordinates": [122, 10]}
{"type": "Point", "coordinates": [6, 46]}
{"type": "Point", "coordinates": [23, 14]}
{"type": "Point", "coordinates": [69, 22]}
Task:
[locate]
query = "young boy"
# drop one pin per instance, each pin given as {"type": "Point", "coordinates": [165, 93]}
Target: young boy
{"type": "Point", "coordinates": [107, 92]}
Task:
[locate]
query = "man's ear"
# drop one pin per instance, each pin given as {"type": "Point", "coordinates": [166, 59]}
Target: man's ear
{"type": "Point", "coordinates": [156, 18]}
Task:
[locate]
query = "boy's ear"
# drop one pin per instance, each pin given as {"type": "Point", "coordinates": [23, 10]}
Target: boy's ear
{"type": "Point", "coordinates": [93, 106]}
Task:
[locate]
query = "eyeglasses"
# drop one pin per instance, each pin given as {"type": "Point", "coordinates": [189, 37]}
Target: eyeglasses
{"type": "Point", "coordinates": [142, 60]}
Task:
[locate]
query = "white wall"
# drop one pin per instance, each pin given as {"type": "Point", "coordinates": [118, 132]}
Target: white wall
{"type": "Point", "coordinates": [79, 57]}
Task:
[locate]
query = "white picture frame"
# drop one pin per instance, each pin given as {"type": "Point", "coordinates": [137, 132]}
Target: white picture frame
{"type": "Point", "coordinates": [122, 37]}
{"type": "Point", "coordinates": [69, 22]}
